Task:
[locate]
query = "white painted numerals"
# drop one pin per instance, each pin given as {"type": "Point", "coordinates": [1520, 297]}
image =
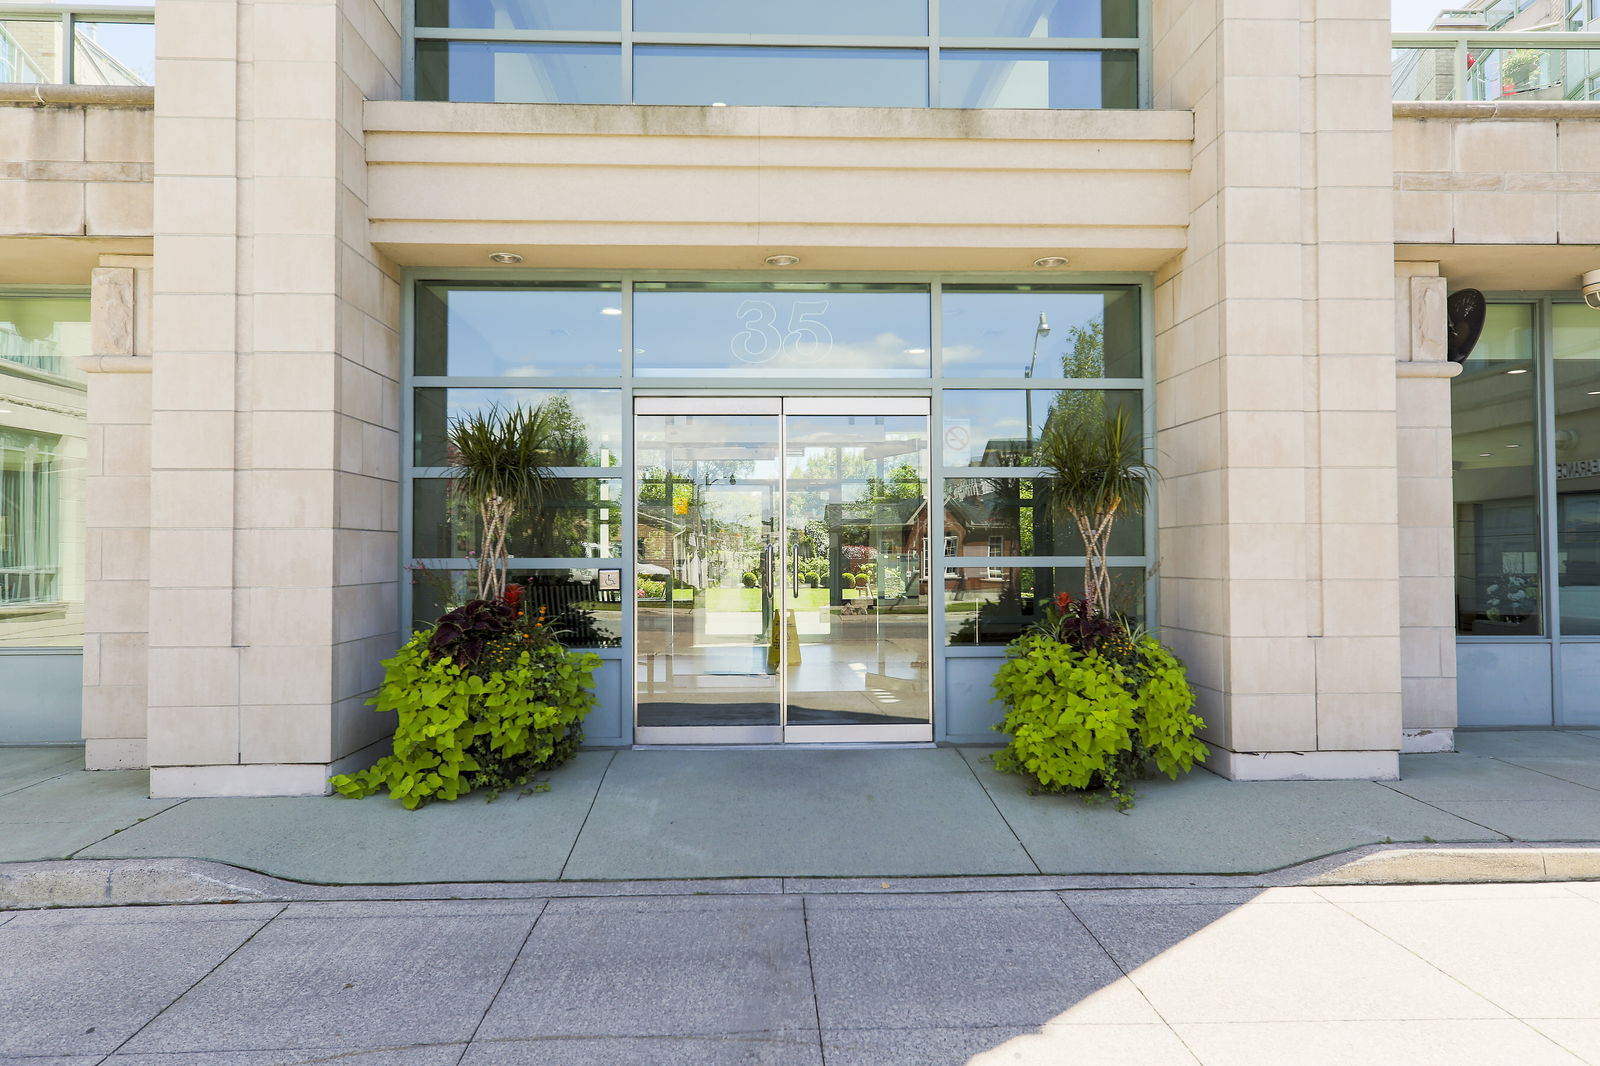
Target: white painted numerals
{"type": "Point", "coordinates": [761, 340]}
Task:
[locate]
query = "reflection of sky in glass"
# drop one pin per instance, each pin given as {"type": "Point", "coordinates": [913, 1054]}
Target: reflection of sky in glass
{"type": "Point", "coordinates": [600, 411]}
{"type": "Point", "coordinates": [129, 45]}
{"type": "Point", "coordinates": [1038, 79]}
{"type": "Point", "coordinates": [784, 334]}
{"type": "Point", "coordinates": [504, 332]}
{"type": "Point", "coordinates": [1038, 18]}
{"type": "Point", "coordinates": [782, 16]}
{"type": "Point", "coordinates": [707, 448]}
{"type": "Point", "coordinates": [520, 14]}
{"type": "Point", "coordinates": [988, 427]}
{"type": "Point", "coordinates": [853, 448]}
{"type": "Point", "coordinates": [519, 73]}
{"type": "Point", "coordinates": [991, 334]}
{"type": "Point", "coordinates": [798, 77]}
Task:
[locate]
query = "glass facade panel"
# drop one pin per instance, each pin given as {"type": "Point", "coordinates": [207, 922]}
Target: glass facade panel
{"type": "Point", "coordinates": [114, 53]}
{"type": "Point", "coordinates": [1000, 427]}
{"type": "Point", "coordinates": [1038, 79]}
{"type": "Point", "coordinates": [520, 14]}
{"type": "Point", "coordinates": [1039, 18]}
{"type": "Point", "coordinates": [1576, 365]}
{"type": "Point", "coordinates": [994, 605]}
{"type": "Point", "coordinates": [581, 518]}
{"type": "Point", "coordinates": [584, 614]}
{"type": "Point", "coordinates": [780, 77]}
{"type": "Point", "coordinates": [998, 515]}
{"type": "Point", "coordinates": [590, 416]}
{"type": "Point", "coordinates": [1495, 452]}
{"type": "Point", "coordinates": [1020, 331]}
{"type": "Point", "coordinates": [1424, 74]}
{"type": "Point", "coordinates": [43, 450]}
{"type": "Point", "coordinates": [811, 331]}
{"type": "Point", "coordinates": [504, 72]}
{"type": "Point", "coordinates": [519, 331]}
{"type": "Point", "coordinates": [878, 18]}
{"type": "Point", "coordinates": [1532, 73]}
{"type": "Point", "coordinates": [30, 50]}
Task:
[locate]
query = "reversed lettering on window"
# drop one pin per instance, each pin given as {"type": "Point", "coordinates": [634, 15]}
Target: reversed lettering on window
{"type": "Point", "coordinates": [1578, 468]}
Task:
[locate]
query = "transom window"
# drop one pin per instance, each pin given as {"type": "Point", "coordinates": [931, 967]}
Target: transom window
{"type": "Point", "coordinates": [887, 53]}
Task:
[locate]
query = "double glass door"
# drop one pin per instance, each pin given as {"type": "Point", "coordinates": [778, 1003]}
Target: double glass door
{"type": "Point", "coordinates": [782, 584]}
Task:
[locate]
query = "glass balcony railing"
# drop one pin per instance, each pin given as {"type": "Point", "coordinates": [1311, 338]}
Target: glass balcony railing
{"type": "Point", "coordinates": [1496, 66]}
{"type": "Point", "coordinates": [111, 43]}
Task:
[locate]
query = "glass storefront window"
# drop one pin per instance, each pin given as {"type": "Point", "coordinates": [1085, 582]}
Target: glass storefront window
{"type": "Point", "coordinates": [997, 515]}
{"type": "Point", "coordinates": [1038, 79]}
{"type": "Point", "coordinates": [1576, 365]}
{"type": "Point", "coordinates": [43, 449]}
{"type": "Point", "coordinates": [505, 72]}
{"type": "Point", "coordinates": [794, 330]}
{"type": "Point", "coordinates": [592, 419]}
{"type": "Point", "coordinates": [519, 331]}
{"type": "Point", "coordinates": [780, 77]}
{"type": "Point", "coordinates": [519, 14]}
{"type": "Point", "coordinates": [878, 18]}
{"type": "Point", "coordinates": [581, 519]}
{"type": "Point", "coordinates": [1001, 427]}
{"type": "Point", "coordinates": [578, 604]}
{"type": "Point", "coordinates": [1049, 18]}
{"type": "Point", "coordinates": [994, 605]}
{"type": "Point", "coordinates": [114, 53]}
{"type": "Point", "coordinates": [1495, 452]}
{"type": "Point", "coordinates": [1025, 331]}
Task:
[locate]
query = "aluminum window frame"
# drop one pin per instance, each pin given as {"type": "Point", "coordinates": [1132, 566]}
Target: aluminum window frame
{"type": "Point", "coordinates": [931, 44]}
{"type": "Point", "coordinates": [631, 387]}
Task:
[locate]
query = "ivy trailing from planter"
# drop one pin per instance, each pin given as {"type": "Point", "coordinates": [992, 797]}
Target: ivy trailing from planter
{"type": "Point", "coordinates": [489, 721]}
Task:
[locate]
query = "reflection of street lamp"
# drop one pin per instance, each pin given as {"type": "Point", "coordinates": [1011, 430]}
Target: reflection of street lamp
{"type": "Point", "coordinates": [1043, 330]}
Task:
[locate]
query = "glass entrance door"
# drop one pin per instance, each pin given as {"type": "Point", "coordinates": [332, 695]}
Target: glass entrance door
{"type": "Point", "coordinates": [782, 586]}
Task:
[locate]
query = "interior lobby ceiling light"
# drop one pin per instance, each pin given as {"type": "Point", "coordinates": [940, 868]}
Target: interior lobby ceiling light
{"type": "Point", "coordinates": [1516, 371]}
{"type": "Point", "coordinates": [1050, 261]}
{"type": "Point", "coordinates": [611, 310]}
{"type": "Point", "coordinates": [507, 258]}
{"type": "Point", "coordinates": [781, 260]}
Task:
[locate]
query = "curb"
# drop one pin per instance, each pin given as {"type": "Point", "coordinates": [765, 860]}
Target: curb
{"type": "Point", "coordinates": [159, 882]}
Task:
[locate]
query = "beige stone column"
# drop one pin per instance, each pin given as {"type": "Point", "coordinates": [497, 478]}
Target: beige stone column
{"type": "Point", "coordinates": [275, 404]}
{"type": "Point", "coordinates": [1275, 386]}
{"type": "Point", "coordinates": [116, 533]}
{"type": "Point", "coordinates": [1427, 516]}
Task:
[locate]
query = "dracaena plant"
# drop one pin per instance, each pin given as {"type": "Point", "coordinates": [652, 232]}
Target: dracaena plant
{"type": "Point", "coordinates": [501, 462]}
{"type": "Point", "coordinates": [1099, 474]}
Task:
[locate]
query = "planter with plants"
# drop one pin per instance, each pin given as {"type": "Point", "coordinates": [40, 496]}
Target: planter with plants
{"type": "Point", "coordinates": [1093, 702]}
{"type": "Point", "coordinates": [489, 695]}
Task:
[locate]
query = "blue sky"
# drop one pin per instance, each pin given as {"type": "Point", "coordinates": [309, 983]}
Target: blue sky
{"type": "Point", "coordinates": [1409, 15]}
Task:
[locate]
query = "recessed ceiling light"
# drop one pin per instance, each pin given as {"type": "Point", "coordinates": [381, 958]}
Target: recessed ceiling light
{"type": "Point", "coordinates": [1595, 393]}
{"type": "Point", "coordinates": [782, 260]}
{"type": "Point", "coordinates": [1513, 445]}
{"type": "Point", "coordinates": [1484, 455]}
{"type": "Point", "coordinates": [611, 310]}
{"type": "Point", "coordinates": [915, 351]}
{"type": "Point", "coordinates": [506, 258]}
{"type": "Point", "coordinates": [1516, 371]}
{"type": "Point", "coordinates": [1050, 261]}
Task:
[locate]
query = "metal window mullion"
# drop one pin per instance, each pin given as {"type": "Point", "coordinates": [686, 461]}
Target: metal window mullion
{"type": "Point", "coordinates": [1545, 456]}
{"type": "Point", "coordinates": [1462, 72]}
{"type": "Point", "coordinates": [408, 453]}
{"type": "Point", "coordinates": [69, 47]}
{"type": "Point", "coordinates": [1146, 75]}
{"type": "Point", "coordinates": [933, 53]}
{"type": "Point", "coordinates": [1046, 44]}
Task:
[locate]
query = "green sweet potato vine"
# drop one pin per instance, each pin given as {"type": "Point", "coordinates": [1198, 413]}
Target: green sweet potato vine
{"type": "Point", "coordinates": [462, 728]}
{"type": "Point", "coordinates": [1086, 719]}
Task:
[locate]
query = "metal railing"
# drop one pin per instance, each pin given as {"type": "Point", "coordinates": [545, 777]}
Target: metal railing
{"type": "Point", "coordinates": [1442, 65]}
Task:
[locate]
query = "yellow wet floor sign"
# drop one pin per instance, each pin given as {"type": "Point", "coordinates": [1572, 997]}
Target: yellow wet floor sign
{"type": "Point", "coordinates": [791, 639]}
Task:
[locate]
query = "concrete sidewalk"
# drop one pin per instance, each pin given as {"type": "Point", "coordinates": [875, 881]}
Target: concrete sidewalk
{"type": "Point", "coordinates": [1478, 975]}
{"type": "Point", "coordinates": [809, 813]}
